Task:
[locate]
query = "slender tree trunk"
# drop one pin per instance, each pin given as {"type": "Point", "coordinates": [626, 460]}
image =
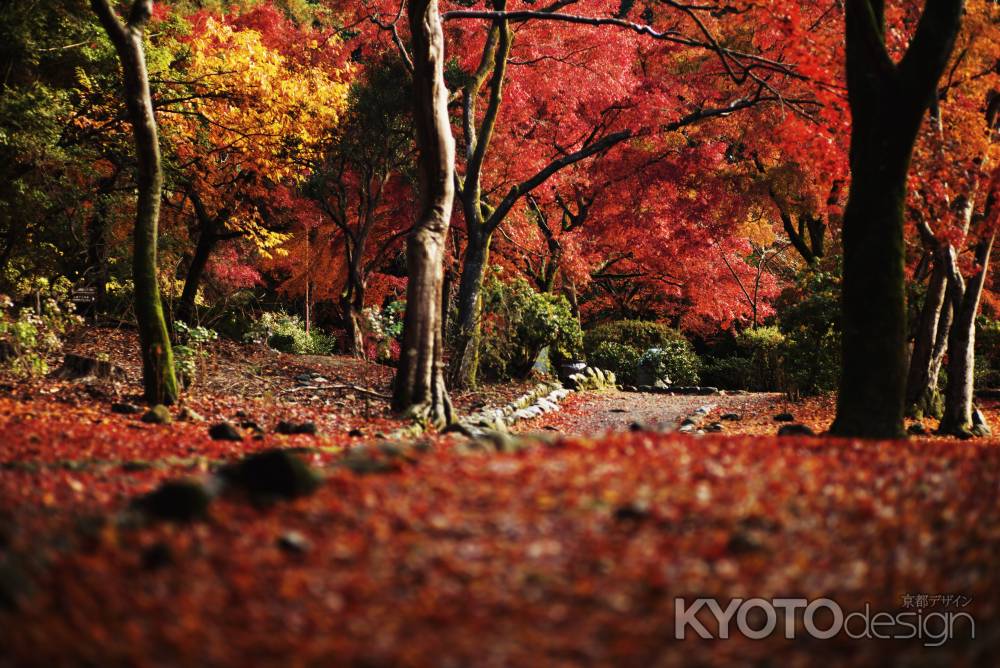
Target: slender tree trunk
{"type": "Point", "coordinates": [351, 307]}
{"type": "Point", "coordinates": [159, 381]}
{"type": "Point", "coordinates": [419, 386]}
{"type": "Point", "coordinates": [97, 242]}
{"type": "Point", "coordinates": [888, 102]}
{"type": "Point", "coordinates": [957, 420]}
{"type": "Point", "coordinates": [470, 289]}
{"type": "Point", "coordinates": [922, 396]}
{"type": "Point", "coordinates": [207, 240]}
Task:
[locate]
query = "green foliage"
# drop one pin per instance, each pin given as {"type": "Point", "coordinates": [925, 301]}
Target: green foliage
{"type": "Point", "coordinates": [620, 358]}
{"type": "Point", "coordinates": [810, 323]}
{"type": "Point", "coordinates": [194, 350]}
{"type": "Point", "coordinates": [987, 372]}
{"type": "Point", "coordinates": [754, 363]}
{"type": "Point", "coordinates": [640, 334]}
{"type": "Point", "coordinates": [728, 373]}
{"type": "Point", "coordinates": [675, 360]}
{"type": "Point", "coordinates": [287, 333]}
{"type": "Point", "coordinates": [638, 351]}
{"type": "Point", "coordinates": [518, 322]}
{"type": "Point", "coordinates": [383, 329]}
{"type": "Point", "coordinates": [32, 332]}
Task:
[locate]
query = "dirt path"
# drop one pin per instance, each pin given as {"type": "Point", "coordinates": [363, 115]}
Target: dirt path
{"type": "Point", "coordinates": [594, 413]}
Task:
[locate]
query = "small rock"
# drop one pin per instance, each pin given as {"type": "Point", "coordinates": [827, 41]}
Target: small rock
{"type": "Point", "coordinates": [189, 415]}
{"type": "Point", "coordinates": [157, 556]}
{"type": "Point", "coordinates": [917, 429]}
{"type": "Point", "coordinates": [356, 433]}
{"type": "Point", "coordinates": [636, 427]}
{"type": "Point", "coordinates": [294, 542]}
{"type": "Point", "coordinates": [176, 501]}
{"type": "Point", "coordinates": [252, 426]}
{"type": "Point", "coordinates": [715, 428]}
{"type": "Point", "coordinates": [125, 409]}
{"type": "Point", "coordinates": [784, 417]}
{"type": "Point", "coordinates": [731, 417]}
{"type": "Point", "coordinates": [630, 512]}
{"type": "Point", "coordinates": [742, 542]}
{"type": "Point", "coordinates": [225, 431]}
{"type": "Point", "coordinates": [158, 414]}
{"type": "Point", "coordinates": [796, 430]}
{"type": "Point", "coordinates": [273, 474]}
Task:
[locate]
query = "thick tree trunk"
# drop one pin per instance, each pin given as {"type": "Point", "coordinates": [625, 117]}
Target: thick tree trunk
{"type": "Point", "coordinates": [957, 420]}
{"type": "Point", "coordinates": [922, 395]}
{"type": "Point", "coordinates": [159, 381]}
{"type": "Point", "coordinates": [465, 366]}
{"type": "Point", "coordinates": [888, 102]}
{"type": "Point", "coordinates": [419, 389]}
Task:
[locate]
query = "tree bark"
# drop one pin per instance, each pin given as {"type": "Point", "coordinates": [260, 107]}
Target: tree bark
{"type": "Point", "coordinates": [888, 102]}
{"type": "Point", "coordinates": [470, 288]}
{"type": "Point", "coordinates": [419, 389]}
{"type": "Point", "coordinates": [957, 420]}
{"type": "Point", "coordinates": [922, 395]}
{"type": "Point", "coordinates": [159, 381]}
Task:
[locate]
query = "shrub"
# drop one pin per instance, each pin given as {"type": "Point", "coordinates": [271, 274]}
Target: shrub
{"type": "Point", "coordinates": [988, 353]}
{"type": "Point", "coordinates": [191, 354]}
{"type": "Point", "coordinates": [676, 361]}
{"type": "Point", "coordinates": [620, 358]}
{"type": "Point", "coordinates": [728, 373]}
{"type": "Point", "coordinates": [518, 323]}
{"type": "Point", "coordinates": [621, 346]}
{"type": "Point", "coordinates": [383, 331]}
{"type": "Point", "coordinates": [31, 333]}
{"type": "Point", "coordinates": [639, 334]}
{"type": "Point", "coordinates": [810, 323]}
{"type": "Point", "coordinates": [287, 333]}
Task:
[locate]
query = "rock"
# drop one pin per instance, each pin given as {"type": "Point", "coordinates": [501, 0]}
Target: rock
{"type": "Point", "coordinates": [731, 417]}
{"type": "Point", "coordinates": [980, 427]}
{"type": "Point", "coordinates": [661, 385]}
{"type": "Point", "coordinates": [917, 429]}
{"type": "Point", "coordinates": [157, 555]}
{"type": "Point", "coordinates": [687, 429]}
{"type": "Point", "coordinates": [292, 429]}
{"type": "Point", "coordinates": [688, 422]}
{"type": "Point", "coordinates": [636, 427]}
{"type": "Point", "coordinates": [630, 513]}
{"type": "Point", "coordinates": [618, 410]}
{"type": "Point", "coordinates": [741, 542]}
{"type": "Point", "coordinates": [356, 433]}
{"type": "Point", "coordinates": [125, 409]}
{"type": "Point", "coordinates": [176, 501]}
{"type": "Point", "coordinates": [225, 431]}
{"type": "Point", "coordinates": [75, 367]}
{"type": "Point", "coordinates": [708, 391]}
{"type": "Point", "coordinates": [252, 426]}
{"type": "Point", "coordinates": [273, 474]}
{"type": "Point", "coordinates": [189, 415]}
{"type": "Point", "coordinates": [158, 414]}
{"type": "Point", "coordinates": [784, 417]}
{"type": "Point", "coordinates": [294, 542]}
{"type": "Point", "coordinates": [795, 430]}
{"type": "Point", "coordinates": [715, 428]}
{"type": "Point", "coordinates": [458, 428]}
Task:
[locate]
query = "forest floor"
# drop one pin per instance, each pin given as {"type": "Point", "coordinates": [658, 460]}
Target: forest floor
{"type": "Point", "coordinates": [568, 549]}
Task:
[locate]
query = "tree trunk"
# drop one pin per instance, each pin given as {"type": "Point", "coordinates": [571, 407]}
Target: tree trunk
{"type": "Point", "coordinates": [159, 381]}
{"type": "Point", "coordinates": [419, 389]}
{"type": "Point", "coordinates": [351, 307]}
{"type": "Point", "coordinates": [922, 395]}
{"type": "Point", "coordinates": [957, 420]}
{"type": "Point", "coordinates": [888, 102]}
{"type": "Point", "coordinates": [470, 289]}
{"type": "Point", "coordinates": [97, 242]}
{"type": "Point", "coordinates": [207, 241]}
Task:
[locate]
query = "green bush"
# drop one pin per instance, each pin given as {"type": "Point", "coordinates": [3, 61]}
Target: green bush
{"type": "Point", "coordinates": [676, 360]}
{"type": "Point", "coordinates": [518, 323]}
{"type": "Point", "coordinates": [636, 350]}
{"type": "Point", "coordinates": [987, 353]}
{"type": "Point", "coordinates": [192, 352]}
{"type": "Point", "coordinates": [728, 373]}
{"type": "Point", "coordinates": [31, 333]}
{"type": "Point", "coordinates": [620, 358]}
{"type": "Point", "coordinates": [639, 334]}
{"type": "Point", "coordinates": [810, 323]}
{"type": "Point", "coordinates": [287, 333]}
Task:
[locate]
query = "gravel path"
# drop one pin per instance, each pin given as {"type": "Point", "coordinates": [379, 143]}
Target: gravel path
{"type": "Point", "coordinates": [594, 413]}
